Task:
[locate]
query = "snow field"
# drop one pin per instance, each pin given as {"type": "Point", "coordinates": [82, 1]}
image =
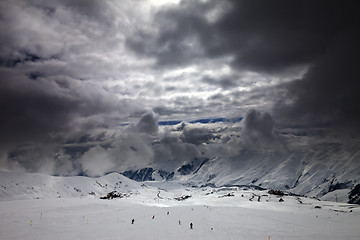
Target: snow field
{"type": "Point", "coordinates": [86, 218]}
{"type": "Point", "coordinates": [36, 207]}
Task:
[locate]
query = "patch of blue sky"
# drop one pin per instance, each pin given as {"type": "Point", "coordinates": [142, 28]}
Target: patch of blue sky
{"type": "Point", "coordinates": [202, 121]}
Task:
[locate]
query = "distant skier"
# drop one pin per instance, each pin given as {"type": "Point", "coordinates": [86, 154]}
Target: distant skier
{"type": "Point", "coordinates": [191, 226]}
{"type": "Point", "coordinates": [168, 213]}
{"type": "Point", "coordinates": [132, 221]}
{"type": "Point", "coordinates": [153, 217]}
{"type": "Point", "coordinates": [179, 222]}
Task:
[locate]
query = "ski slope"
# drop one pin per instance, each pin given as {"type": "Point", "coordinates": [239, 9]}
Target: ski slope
{"type": "Point", "coordinates": [216, 213]}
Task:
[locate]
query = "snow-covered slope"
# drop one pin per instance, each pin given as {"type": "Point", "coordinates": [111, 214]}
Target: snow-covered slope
{"type": "Point", "coordinates": [39, 186]}
{"type": "Point", "coordinates": [162, 210]}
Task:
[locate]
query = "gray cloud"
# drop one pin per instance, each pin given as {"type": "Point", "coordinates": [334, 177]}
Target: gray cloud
{"type": "Point", "coordinates": [171, 152]}
{"type": "Point", "coordinates": [44, 120]}
{"type": "Point", "coordinates": [148, 123]}
{"type": "Point", "coordinates": [37, 109]}
{"type": "Point", "coordinates": [55, 58]}
{"type": "Point", "coordinates": [21, 159]}
{"type": "Point", "coordinates": [226, 82]}
{"type": "Point", "coordinates": [130, 150]}
{"type": "Point", "coordinates": [277, 37]}
{"type": "Point", "coordinates": [176, 44]}
{"type": "Point", "coordinates": [197, 135]}
{"type": "Point", "coordinates": [83, 83]}
{"type": "Point", "coordinates": [259, 124]}
{"type": "Point", "coordinates": [260, 130]}
{"type": "Point", "coordinates": [33, 109]}
{"type": "Point", "coordinates": [260, 35]}
{"type": "Point", "coordinates": [327, 95]}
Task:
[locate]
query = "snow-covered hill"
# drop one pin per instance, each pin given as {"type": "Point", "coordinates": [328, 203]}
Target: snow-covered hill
{"type": "Point", "coordinates": [15, 186]}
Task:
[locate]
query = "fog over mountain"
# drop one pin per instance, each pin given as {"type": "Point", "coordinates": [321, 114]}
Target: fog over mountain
{"type": "Point", "coordinates": [215, 92]}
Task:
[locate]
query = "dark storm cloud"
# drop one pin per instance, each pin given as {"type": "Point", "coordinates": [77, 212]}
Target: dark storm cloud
{"type": "Point", "coordinates": [53, 55]}
{"type": "Point", "coordinates": [31, 110]}
{"type": "Point", "coordinates": [260, 35]}
{"type": "Point", "coordinates": [176, 42]}
{"type": "Point", "coordinates": [275, 37]}
{"type": "Point", "coordinates": [41, 109]}
{"type": "Point", "coordinates": [75, 100]}
{"type": "Point", "coordinates": [328, 94]}
{"type": "Point", "coordinates": [259, 124]}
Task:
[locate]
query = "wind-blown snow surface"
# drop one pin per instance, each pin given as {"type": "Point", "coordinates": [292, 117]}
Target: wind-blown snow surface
{"type": "Point", "coordinates": [30, 208]}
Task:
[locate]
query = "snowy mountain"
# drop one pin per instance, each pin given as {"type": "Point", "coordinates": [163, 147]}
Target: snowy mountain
{"type": "Point", "coordinates": [326, 170]}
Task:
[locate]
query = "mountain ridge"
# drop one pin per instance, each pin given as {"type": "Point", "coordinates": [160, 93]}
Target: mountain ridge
{"type": "Point", "coordinates": [320, 174]}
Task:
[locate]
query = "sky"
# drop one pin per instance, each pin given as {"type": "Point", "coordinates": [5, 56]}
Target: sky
{"type": "Point", "coordinates": [83, 81]}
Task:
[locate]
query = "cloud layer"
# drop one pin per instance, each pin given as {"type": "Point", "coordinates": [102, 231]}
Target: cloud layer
{"type": "Point", "coordinates": [83, 84]}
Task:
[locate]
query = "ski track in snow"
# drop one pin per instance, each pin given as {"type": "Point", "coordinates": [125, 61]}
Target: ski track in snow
{"type": "Point", "coordinates": [77, 215]}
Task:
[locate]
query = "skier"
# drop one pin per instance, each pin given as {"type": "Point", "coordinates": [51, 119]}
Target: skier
{"type": "Point", "coordinates": [153, 217]}
{"type": "Point", "coordinates": [179, 222]}
{"type": "Point", "coordinates": [168, 213]}
{"type": "Point", "coordinates": [191, 226]}
{"type": "Point", "coordinates": [132, 221]}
